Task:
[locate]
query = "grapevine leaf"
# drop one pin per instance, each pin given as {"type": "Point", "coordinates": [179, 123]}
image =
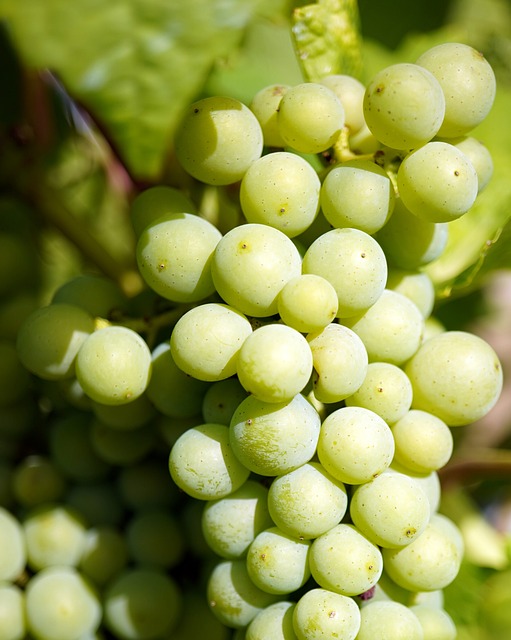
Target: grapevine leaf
{"type": "Point", "coordinates": [327, 38]}
{"type": "Point", "coordinates": [133, 64]}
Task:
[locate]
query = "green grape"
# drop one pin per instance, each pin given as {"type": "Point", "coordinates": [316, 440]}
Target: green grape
{"type": "Point", "coordinates": [7, 498]}
{"type": "Point", "coordinates": [19, 267]}
{"type": "Point", "coordinates": [307, 501]}
{"type": "Point", "coordinates": [308, 303]}
{"type": "Point", "coordinates": [14, 310]}
{"type": "Point", "coordinates": [424, 443]}
{"type": "Point", "coordinates": [275, 622]}
{"type": "Point", "coordinates": [230, 524]}
{"type": "Point", "coordinates": [221, 400]}
{"type": "Point", "coordinates": [113, 365]}
{"type": "Point", "coordinates": [355, 445]}
{"type": "Point", "coordinates": [321, 614]}
{"type": "Point", "coordinates": [415, 285]}
{"type": "Point", "coordinates": [12, 612]}
{"type": "Point", "coordinates": [73, 394]}
{"type": "Point", "coordinates": [436, 623]}
{"type": "Point", "coordinates": [119, 447]}
{"type": "Point", "coordinates": [364, 142]}
{"type": "Point", "coordinates": [97, 295]}
{"type": "Point", "coordinates": [105, 554]}
{"type": "Point", "coordinates": [354, 263]}
{"type": "Point", "coordinates": [392, 510]}
{"type": "Point", "coordinates": [173, 392]}
{"type": "Point", "coordinates": [251, 264]}
{"type": "Point", "coordinates": [386, 390]}
{"type": "Point", "coordinates": [174, 256]}
{"type": "Point", "coordinates": [142, 603]}
{"type": "Point", "coordinates": [36, 479]}
{"type": "Point", "coordinates": [203, 463]}
{"type": "Point", "coordinates": [272, 438]}
{"type": "Point", "coordinates": [431, 561]}
{"type": "Point", "coordinates": [12, 542]}
{"type": "Point", "coordinates": [206, 341]}
{"type": "Point", "coordinates": [274, 363]}
{"type": "Point", "coordinates": [171, 428]}
{"type": "Point", "coordinates": [281, 190]}
{"type": "Point", "coordinates": [410, 242]}
{"type": "Point", "coordinates": [265, 106]}
{"type": "Point", "coordinates": [233, 597]}
{"type": "Point", "coordinates": [310, 117]}
{"type": "Point", "coordinates": [60, 604]}
{"type": "Point", "coordinates": [430, 483]}
{"type": "Point", "coordinates": [345, 561]}
{"type": "Point", "coordinates": [350, 92]}
{"type": "Point", "coordinates": [437, 182]}
{"type": "Point", "coordinates": [467, 81]}
{"type": "Point", "coordinates": [197, 619]}
{"type": "Point", "coordinates": [404, 106]}
{"type": "Point", "coordinates": [156, 202]}
{"type": "Point", "coordinates": [97, 503]}
{"type": "Point", "coordinates": [50, 338]}
{"type": "Point", "coordinates": [382, 620]}
{"type": "Point", "coordinates": [145, 484]}
{"type": "Point", "coordinates": [357, 194]}
{"type": "Point", "coordinates": [14, 378]}
{"type": "Point", "coordinates": [391, 329]}
{"type": "Point", "coordinates": [456, 376]}
{"type": "Point", "coordinates": [154, 538]}
{"type": "Point", "coordinates": [125, 416]}
{"type": "Point", "coordinates": [218, 139]}
{"type": "Point", "coordinates": [478, 154]}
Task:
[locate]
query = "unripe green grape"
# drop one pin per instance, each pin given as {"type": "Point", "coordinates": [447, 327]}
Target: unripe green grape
{"type": "Point", "coordinates": [98, 503]}
{"type": "Point", "coordinates": [364, 141]}
{"type": "Point", "coordinates": [436, 623]}
{"type": "Point", "coordinates": [12, 612]}
{"type": "Point", "coordinates": [382, 620]}
{"type": "Point", "coordinates": [104, 555]}
{"type": "Point", "coordinates": [154, 538]}
{"type": "Point", "coordinates": [350, 92]}
{"type": "Point", "coordinates": [272, 438]}
{"type": "Point", "coordinates": [404, 106]}
{"type": "Point", "coordinates": [357, 194]}
{"type": "Point", "coordinates": [206, 341]}
{"type": "Point", "coordinates": [125, 416]}
{"type": "Point", "coordinates": [197, 619]}
{"type": "Point", "coordinates": [456, 376]}
{"type": "Point", "coordinates": [117, 447]}
{"type": "Point", "coordinates": [251, 264]}
{"type": "Point", "coordinates": [415, 285]}
{"type": "Point", "coordinates": [467, 81]}
{"type": "Point", "coordinates": [355, 445]}
{"type": "Point", "coordinates": [19, 265]}
{"type": "Point", "coordinates": [275, 622]}
{"type": "Point", "coordinates": [95, 294]}
{"type": "Point", "coordinates": [345, 561]}
{"type": "Point", "coordinates": [321, 614]}
{"type": "Point", "coordinates": [13, 545]}
{"type": "Point", "coordinates": [265, 106]}
{"type": "Point", "coordinates": [218, 139]}
{"type": "Point", "coordinates": [308, 303]}
{"type": "Point", "coordinates": [174, 256]}
{"type": "Point", "coordinates": [145, 484]}
{"type": "Point", "coordinates": [14, 310]}
{"type": "Point", "coordinates": [155, 202]}
{"type": "Point", "coordinates": [203, 464]}
{"type": "Point", "coordinates": [479, 155]}
{"type": "Point", "coordinates": [281, 190]}
{"type": "Point", "coordinates": [310, 117]}
{"type": "Point", "coordinates": [37, 479]}
{"type": "Point", "coordinates": [221, 400]}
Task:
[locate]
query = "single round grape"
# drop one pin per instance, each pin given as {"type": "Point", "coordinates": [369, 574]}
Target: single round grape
{"type": "Point", "coordinates": [155, 202]}
{"type": "Point", "coordinates": [415, 285]}
{"type": "Point", "coordinates": [281, 190]}
{"type": "Point", "coordinates": [221, 400]}
{"type": "Point", "coordinates": [60, 605]}
{"type": "Point", "coordinates": [308, 303]}
{"type": "Point", "coordinates": [404, 106]}
{"type": "Point", "coordinates": [321, 614]}
{"type": "Point", "coordinates": [357, 194]}
{"type": "Point", "coordinates": [310, 117]}
{"type": "Point", "coordinates": [382, 620]}
{"type": "Point", "coordinates": [272, 438]}
{"type": "Point", "coordinates": [98, 295]}
{"type": "Point", "coordinates": [98, 503]}
{"type": "Point", "coordinates": [345, 561]}
{"type": "Point", "coordinates": [174, 256]}
{"type": "Point", "coordinates": [467, 81]}
{"type": "Point", "coordinates": [145, 484]}
{"type": "Point", "coordinates": [354, 263]}
{"type": "Point", "coordinates": [307, 501]}
{"type": "Point", "coordinates": [128, 416]}
{"type": "Point", "coordinates": [218, 139]}
{"type": "Point", "coordinates": [355, 445]}
{"type": "Point", "coordinates": [206, 341]}
{"type": "Point", "coordinates": [154, 538]}
{"type": "Point", "coordinates": [50, 338]}
{"type": "Point", "coordinates": [455, 375]}
{"type": "Point", "coordinates": [203, 464]}
{"type": "Point", "coordinates": [479, 155]}
{"type": "Point", "coordinates": [12, 612]}
{"type": "Point", "coordinates": [436, 623]}
{"type": "Point", "coordinates": [340, 362]}
{"type": "Point", "coordinates": [197, 620]}
{"type": "Point", "coordinates": [105, 554]}
{"type": "Point", "coordinates": [275, 622]}
{"type": "Point", "coordinates": [437, 182]}
{"type": "Point", "coordinates": [119, 447]}
{"type": "Point", "coordinates": [37, 479]}
{"type": "Point", "coordinates": [350, 92]}
{"type": "Point", "coordinates": [13, 545]}
{"type": "Point", "coordinates": [265, 106]}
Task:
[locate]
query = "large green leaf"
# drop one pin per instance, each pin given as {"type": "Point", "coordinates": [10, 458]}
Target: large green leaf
{"type": "Point", "coordinates": [134, 64]}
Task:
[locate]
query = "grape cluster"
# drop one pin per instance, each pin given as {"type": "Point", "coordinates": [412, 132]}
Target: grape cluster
{"type": "Point", "coordinates": [286, 355]}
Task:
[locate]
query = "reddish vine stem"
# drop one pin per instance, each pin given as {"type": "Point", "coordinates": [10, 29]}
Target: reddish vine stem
{"type": "Point", "coordinates": [474, 466]}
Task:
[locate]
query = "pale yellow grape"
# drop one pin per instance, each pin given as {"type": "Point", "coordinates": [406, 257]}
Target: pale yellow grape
{"type": "Point", "coordinates": [174, 256]}
{"type": "Point", "coordinates": [385, 620]}
{"type": "Point", "coordinates": [281, 189]}
{"type": "Point", "coordinates": [355, 445]}
{"type": "Point", "coordinates": [364, 141]}
{"type": "Point", "coordinates": [386, 390]}
{"type": "Point", "coordinates": [251, 264]}
{"type": "Point", "coordinates": [218, 139]}
{"type": "Point", "coordinates": [436, 623]}
{"type": "Point", "coordinates": [392, 510]}
{"type": "Point", "coordinates": [455, 375]}
{"type": "Point", "coordinates": [391, 329]}
{"type": "Point", "coordinates": [155, 202]}
{"type": "Point", "coordinates": [350, 92]}
{"type": "Point", "coordinates": [13, 545]}
{"type": "Point", "coordinates": [308, 303]}
{"type": "Point", "coordinates": [321, 614]}
{"type": "Point", "coordinates": [340, 362]}
{"type": "Point", "coordinates": [265, 105]}
{"type": "Point", "coordinates": [203, 464]}
{"type": "Point", "coordinates": [274, 363]}
{"type": "Point", "coordinates": [206, 341]}
{"type": "Point", "coordinates": [12, 612]}
{"type": "Point", "coordinates": [404, 105]}
{"type": "Point", "coordinates": [467, 81]}
{"type": "Point", "coordinates": [98, 295]}
{"type": "Point", "coordinates": [478, 154]}
{"type": "Point", "coordinates": [307, 501]}
{"type": "Point", "coordinates": [310, 117]}
{"type": "Point", "coordinates": [415, 285]}
{"type": "Point", "coordinates": [345, 561]}
{"type": "Point", "coordinates": [424, 443]}
{"type": "Point", "coordinates": [272, 438]}
{"type": "Point", "coordinates": [354, 263]}
{"type": "Point", "coordinates": [275, 622]}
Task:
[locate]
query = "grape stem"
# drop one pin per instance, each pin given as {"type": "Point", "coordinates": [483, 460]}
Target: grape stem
{"type": "Point", "coordinates": [476, 465]}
